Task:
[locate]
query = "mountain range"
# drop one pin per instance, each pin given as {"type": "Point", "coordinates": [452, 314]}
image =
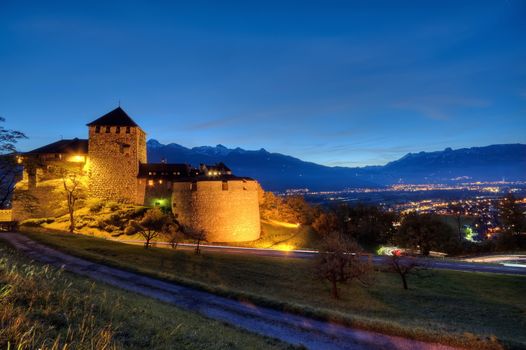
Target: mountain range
{"type": "Point", "coordinates": [278, 172]}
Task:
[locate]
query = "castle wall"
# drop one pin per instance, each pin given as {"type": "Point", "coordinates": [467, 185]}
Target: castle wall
{"type": "Point", "coordinates": [114, 163]}
{"type": "Point", "coordinates": [157, 193]}
{"type": "Point", "coordinates": [225, 215]}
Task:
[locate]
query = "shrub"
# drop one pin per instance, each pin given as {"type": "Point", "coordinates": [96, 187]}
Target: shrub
{"type": "Point", "coordinates": [96, 207]}
{"type": "Point", "coordinates": [37, 222]}
{"type": "Point", "coordinates": [113, 206]}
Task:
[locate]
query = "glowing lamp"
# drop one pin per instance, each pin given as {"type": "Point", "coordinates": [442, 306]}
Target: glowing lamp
{"type": "Point", "coordinates": [77, 158]}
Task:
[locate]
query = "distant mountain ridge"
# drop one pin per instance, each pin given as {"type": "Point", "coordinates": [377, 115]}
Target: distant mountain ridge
{"type": "Point", "coordinates": [277, 171]}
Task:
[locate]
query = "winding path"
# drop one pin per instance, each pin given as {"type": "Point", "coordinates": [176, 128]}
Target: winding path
{"type": "Point", "coordinates": [287, 327]}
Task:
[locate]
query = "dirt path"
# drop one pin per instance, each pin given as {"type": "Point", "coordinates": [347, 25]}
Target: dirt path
{"type": "Point", "coordinates": [287, 327]}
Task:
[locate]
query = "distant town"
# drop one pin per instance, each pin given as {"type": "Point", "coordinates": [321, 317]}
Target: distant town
{"type": "Point", "coordinates": [477, 202]}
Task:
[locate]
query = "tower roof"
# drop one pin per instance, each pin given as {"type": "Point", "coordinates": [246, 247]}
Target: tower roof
{"type": "Point", "coordinates": [117, 117]}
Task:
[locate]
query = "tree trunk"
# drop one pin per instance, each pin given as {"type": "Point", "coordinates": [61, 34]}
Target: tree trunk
{"type": "Point", "coordinates": [197, 249]}
{"type": "Point", "coordinates": [147, 244]}
{"type": "Point", "coordinates": [404, 281]}
{"type": "Point", "coordinates": [71, 222]}
{"type": "Point", "coordinates": [71, 209]}
{"type": "Point", "coordinates": [334, 288]}
{"type": "Point", "coordinates": [459, 222]}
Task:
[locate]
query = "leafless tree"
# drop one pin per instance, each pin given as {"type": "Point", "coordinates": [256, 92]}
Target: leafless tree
{"type": "Point", "coordinates": [340, 262]}
{"type": "Point", "coordinates": [197, 235]}
{"type": "Point", "coordinates": [405, 265]}
{"type": "Point", "coordinates": [72, 188]}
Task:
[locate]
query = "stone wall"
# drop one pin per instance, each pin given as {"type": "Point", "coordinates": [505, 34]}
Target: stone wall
{"type": "Point", "coordinates": [114, 163]}
{"type": "Point", "coordinates": [226, 211]}
{"type": "Point", "coordinates": [157, 192]}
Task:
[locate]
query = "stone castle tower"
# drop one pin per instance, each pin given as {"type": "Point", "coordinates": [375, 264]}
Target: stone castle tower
{"type": "Point", "coordinates": [209, 198]}
{"type": "Point", "coordinates": [117, 146]}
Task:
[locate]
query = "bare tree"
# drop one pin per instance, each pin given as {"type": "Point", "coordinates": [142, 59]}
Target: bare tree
{"type": "Point", "coordinates": [153, 224]}
{"type": "Point", "coordinates": [405, 266]}
{"type": "Point", "coordinates": [10, 170]}
{"type": "Point", "coordinates": [72, 188]}
{"type": "Point", "coordinates": [340, 262]}
{"type": "Point", "coordinates": [457, 213]}
{"type": "Point", "coordinates": [173, 233]}
{"type": "Point", "coordinates": [198, 236]}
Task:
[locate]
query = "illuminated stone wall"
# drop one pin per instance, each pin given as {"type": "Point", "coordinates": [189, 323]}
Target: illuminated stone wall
{"type": "Point", "coordinates": [157, 192]}
{"type": "Point", "coordinates": [114, 163]}
{"type": "Point", "coordinates": [225, 214]}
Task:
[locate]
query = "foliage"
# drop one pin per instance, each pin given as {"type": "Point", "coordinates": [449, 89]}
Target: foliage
{"type": "Point", "coordinates": [37, 222]}
{"type": "Point", "coordinates": [9, 169]}
{"type": "Point", "coordinates": [426, 232]}
{"type": "Point", "coordinates": [511, 215]}
{"type": "Point", "coordinates": [369, 225]}
{"type": "Point", "coordinates": [292, 209]}
{"type": "Point", "coordinates": [173, 233]}
{"type": "Point", "coordinates": [96, 206]}
{"type": "Point", "coordinates": [339, 262]}
{"type": "Point", "coordinates": [153, 224]}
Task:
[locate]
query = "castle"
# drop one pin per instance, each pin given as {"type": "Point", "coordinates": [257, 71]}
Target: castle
{"type": "Point", "coordinates": [114, 159]}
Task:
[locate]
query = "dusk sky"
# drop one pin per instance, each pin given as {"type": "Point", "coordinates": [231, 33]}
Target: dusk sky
{"type": "Point", "coordinates": [326, 81]}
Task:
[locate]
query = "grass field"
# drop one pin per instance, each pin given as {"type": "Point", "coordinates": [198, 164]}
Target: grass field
{"type": "Point", "coordinates": [467, 309]}
{"type": "Point", "coordinates": [44, 308]}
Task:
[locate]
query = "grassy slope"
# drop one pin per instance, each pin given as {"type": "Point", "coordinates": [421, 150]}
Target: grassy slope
{"type": "Point", "coordinates": [439, 308]}
{"type": "Point", "coordinates": [278, 236]}
{"type": "Point", "coordinates": [40, 303]}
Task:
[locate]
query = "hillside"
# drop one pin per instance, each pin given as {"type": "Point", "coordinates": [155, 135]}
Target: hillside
{"type": "Point", "coordinates": [277, 171]}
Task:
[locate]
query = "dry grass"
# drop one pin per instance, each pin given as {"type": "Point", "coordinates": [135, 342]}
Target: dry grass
{"type": "Point", "coordinates": [42, 310]}
{"type": "Point", "coordinates": [457, 308]}
{"type": "Point", "coordinates": [46, 308]}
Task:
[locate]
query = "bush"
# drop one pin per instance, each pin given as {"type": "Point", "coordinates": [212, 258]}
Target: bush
{"type": "Point", "coordinates": [96, 207]}
{"type": "Point", "coordinates": [37, 222]}
{"type": "Point", "coordinates": [113, 206]}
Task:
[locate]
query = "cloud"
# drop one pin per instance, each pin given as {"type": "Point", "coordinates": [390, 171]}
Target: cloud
{"type": "Point", "coordinates": [440, 107]}
{"type": "Point", "coordinates": [214, 123]}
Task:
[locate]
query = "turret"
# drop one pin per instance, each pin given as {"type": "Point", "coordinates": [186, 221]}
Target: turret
{"type": "Point", "coordinates": [117, 145]}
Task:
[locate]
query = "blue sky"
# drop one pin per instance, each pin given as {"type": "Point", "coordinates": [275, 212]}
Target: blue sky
{"type": "Point", "coordinates": [334, 82]}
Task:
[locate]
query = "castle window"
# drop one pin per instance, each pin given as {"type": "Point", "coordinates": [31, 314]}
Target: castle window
{"type": "Point", "coordinates": [150, 182]}
{"type": "Point", "coordinates": [118, 130]}
{"type": "Point", "coordinates": [108, 130]}
{"type": "Point", "coordinates": [224, 186]}
{"type": "Point", "coordinates": [128, 129]}
{"type": "Point", "coordinates": [194, 186]}
{"type": "Point", "coordinates": [97, 129]}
